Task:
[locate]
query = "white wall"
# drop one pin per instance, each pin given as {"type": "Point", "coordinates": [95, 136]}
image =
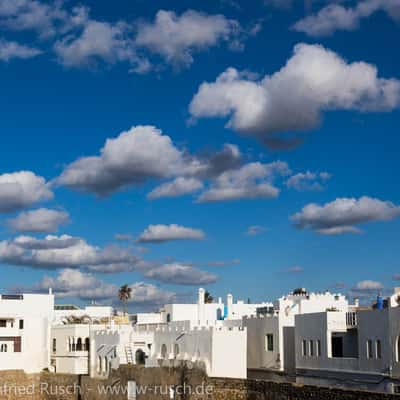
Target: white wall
{"type": "Point", "coordinates": [220, 351]}
{"type": "Point", "coordinates": [64, 359]}
{"type": "Point", "coordinates": [36, 312]}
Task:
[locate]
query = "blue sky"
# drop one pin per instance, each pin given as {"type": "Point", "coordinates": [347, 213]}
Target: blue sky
{"type": "Point", "coordinates": [323, 213]}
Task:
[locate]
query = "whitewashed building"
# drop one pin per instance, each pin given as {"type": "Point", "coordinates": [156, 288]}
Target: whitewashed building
{"type": "Point", "coordinates": [271, 334]}
{"type": "Point", "coordinates": [93, 313]}
{"type": "Point", "coordinates": [25, 331]}
{"type": "Point", "coordinates": [359, 348]}
{"type": "Point", "coordinates": [220, 351]}
{"type": "Point", "coordinates": [207, 313]}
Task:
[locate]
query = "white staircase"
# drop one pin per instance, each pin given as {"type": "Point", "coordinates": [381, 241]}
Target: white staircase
{"type": "Point", "coordinates": [129, 354]}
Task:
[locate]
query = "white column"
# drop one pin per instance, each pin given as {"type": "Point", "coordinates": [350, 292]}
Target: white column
{"type": "Point", "coordinates": [201, 307]}
{"type": "Point", "coordinates": [229, 305]}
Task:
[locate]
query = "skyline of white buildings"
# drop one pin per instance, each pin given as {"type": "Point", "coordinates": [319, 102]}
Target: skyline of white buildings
{"type": "Point", "coordinates": [314, 338]}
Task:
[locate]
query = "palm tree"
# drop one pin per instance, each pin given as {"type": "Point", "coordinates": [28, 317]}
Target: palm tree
{"type": "Point", "coordinates": [124, 294]}
{"type": "Point", "coordinates": [208, 298]}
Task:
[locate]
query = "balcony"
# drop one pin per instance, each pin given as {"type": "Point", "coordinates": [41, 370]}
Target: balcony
{"type": "Point", "coordinates": [351, 319]}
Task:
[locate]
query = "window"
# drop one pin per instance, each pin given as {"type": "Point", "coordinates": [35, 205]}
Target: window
{"type": "Point", "coordinates": [21, 324]}
{"type": "Point", "coordinates": [311, 348]}
{"type": "Point", "coordinates": [304, 348]}
{"type": "Point", "coordinates": [318, 348]}
{"type": "Point", "coordinates": [87, 344]}
{"type": "Point", "coordinates": [79, 345]}
{"type": "Point", "coordinates": [176, 350]}
{"type": "Point", "coordinates": [369, 349]}
{"type": "Point", "coordinates": [3, 323]}
{"type": "Point", "coordinates": [378, 349]}
{"type": "Point", "coordinates": [269, 342]}
{"type": "Point", "coordinates": [164, 351]}
{"type": "Point", "coordinates": [3, 348]}
{"type": "Point", "coordinates": [54, 345]}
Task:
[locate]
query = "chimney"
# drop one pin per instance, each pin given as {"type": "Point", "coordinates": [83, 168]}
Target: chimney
{"type": "Point", "coordinates": [201, 306]}
{"type": "Point", "coordinates": [229, 306]}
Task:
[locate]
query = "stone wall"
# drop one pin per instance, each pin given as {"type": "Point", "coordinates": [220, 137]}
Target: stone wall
{"type": "Point", "coordinates": [157, 381]}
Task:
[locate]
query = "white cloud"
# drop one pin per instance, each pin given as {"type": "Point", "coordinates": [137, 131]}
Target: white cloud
{"type": "Point", "coordinates": [64, 251]}
{"type": "Point", "coordinates": [178, 187]}
{"type": "Point", "coordinates": [10, 50]}
{"type": "Point", "coordinates": [22, 189]}
{"type": "Point", "coordinates": [165, 233]}
{"type": "Point", "coordinates": [176, 38]}
{"type": "Point", "coordinates": [336, 17]}
{"type": "Point", "coordinates": [313, 80]}
{"type": "Point", "coordinates": [99, 41]}
{"type": "Point", "coordinates": [366, 289]}
{"type": "Point", "coordinates": [308, 181]}
{"type": "Point", "coordinates": [43, 18]}
{"type": "Point", "coordinates": [255, 230]}
{"type": "Point", "coordinates": [251, 181]}
{"type": "Point", "coordinates": [368, 285]}
{"type": "Point", "coordinates": [180, 274]}
{"type": "Point", "coordinates": [137, 155]}
{"type": "Point", "coordinates": [40, 220]}
{"type": "Point", "coordinates": [342, 214]}
{"type": "Point", "coordinates": [49, 242]}
{"type": "Point", "coordinates": [74, 283]}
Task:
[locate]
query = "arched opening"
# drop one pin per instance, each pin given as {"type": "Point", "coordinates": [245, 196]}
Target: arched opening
{"type": "Point", "coordinates": [164, 351]}
{"type": "Point", "coordinates": [176, 350]}
{"type": "Point", "coordinates": [79, 344]}
{"type": "Point", "coordinates": [87, 344]}
{"type": "Point", "coordinates": [103, 365]}
{"type": "Point", "coordinates": [140, 357]}
{"type": "Point", "coordinates": [168, 318]}
{"type": "Point", "coordinates": [219, 314]}
{"type": "Point", "coordinates": [73, 344]}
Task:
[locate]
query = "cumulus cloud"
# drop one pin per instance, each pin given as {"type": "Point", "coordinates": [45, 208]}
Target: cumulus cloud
{"type": "Point", "coordinates": [49, 242]}
{"type": "Point", "coordinates": [340, 215]}
{"type": "Point", "coordinates": [22, 189]}
{"type": "Point", "coordinates": [40, 220]}
{"type": "Point", "coordinates": [177, 37]}
{"type": "Point", "coordinates": [335, 17]}
{"type": "Point", "coordinates": [10, 50]}
{"type": "Point", "coordinates": [178, 187]}
{"type": "Point", "coordinates": [308, 181]}
{"type": "Point", "coordinates": [135, 156]}
{"type": "Point", "coordinates": [85, 286]}
{"type": "Point", "coordinates": [366, 289]}
{"type": "Point", "coordinates": [41, 17]}
{"type": "Point", "coordinates": [165, 233]}
{"type": "Point", "coordinates": [64, 251]}
{"type": "Point", "coordinates": [255, 230]}
{"type": "Point", "coordinates": [251, 181]}
{"type": "Point", "coordinates": [180, 274]}
{"type": "Point", "coordinates": [98, 41]}
{"type": "Point", "coordinates": [314, 80]}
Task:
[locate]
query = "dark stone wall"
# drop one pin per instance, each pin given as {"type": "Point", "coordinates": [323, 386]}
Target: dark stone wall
{"type": "Point", "coordinates": [156, 381]}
